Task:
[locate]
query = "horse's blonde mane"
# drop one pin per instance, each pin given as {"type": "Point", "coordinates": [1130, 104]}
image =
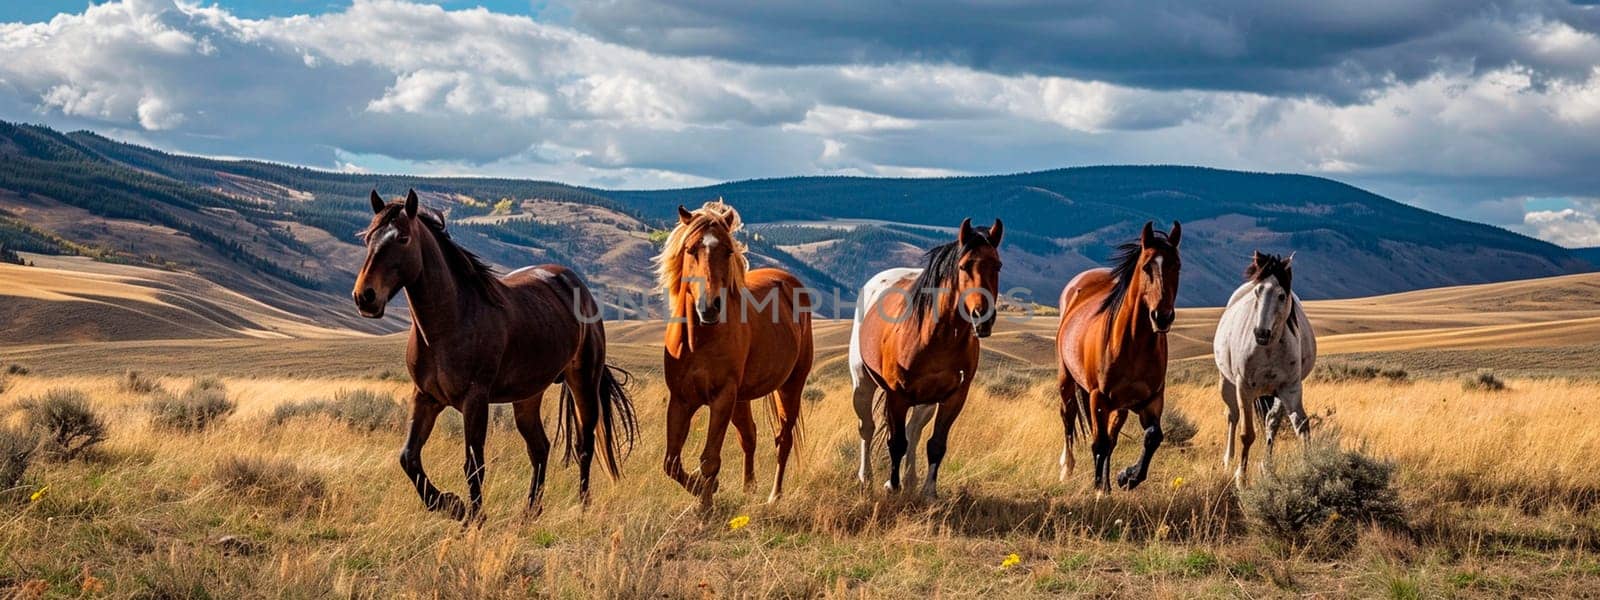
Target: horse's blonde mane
{"type": "Point", "coordinates": [669, 264]}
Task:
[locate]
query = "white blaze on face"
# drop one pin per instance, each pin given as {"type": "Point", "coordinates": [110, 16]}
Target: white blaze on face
{"type": "Point", "coordinates": [710, 242]}
{"type": "Point", "coordinates": [1157, 270]}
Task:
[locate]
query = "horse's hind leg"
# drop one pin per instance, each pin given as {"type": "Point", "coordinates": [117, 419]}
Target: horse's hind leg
{"type": "Point", "coordinates": [1069, 419]}
{"type": "Point", "coordinates": [917, 419]}
{"type": "Point", "coordinates": [424, 411]}
{"type": "Point", "coordinates": [1292, 400]}
{"type": "Point", "coordinates": [583, 382]}
{"type": "Point", "coordinates": [532, 429]}
{"type": "Point", "coordinates": [679, 413]}
{"type": "Point", "coordinates": [1246, 404]}
{"type": "Point", "coordinates": [744, 423]}
{"type": "Point", "coordinates": [788, 409]}
{"type": "Point", "coordinates": [1104, 440]}
{"type": "Point", "coordinates": [1150, 419]}
{"type": "Point", "coordinates": [861, 396]}
{"type": "Point", "coordinates": [1230, 399]}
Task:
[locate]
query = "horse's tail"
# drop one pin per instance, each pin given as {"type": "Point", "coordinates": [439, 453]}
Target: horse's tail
{"type": "Point", "coordinates": [1075, 414]}
{"type": "Point", "coordinates": [1263, 404]}
{"type": "Point", "coordinates": [773, 404]}
{"type": "Point", "coordinates": [618, 428]}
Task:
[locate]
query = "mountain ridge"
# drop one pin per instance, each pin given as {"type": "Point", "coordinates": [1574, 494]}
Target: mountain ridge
{"type": "Point", "coordinates": [283, 233]}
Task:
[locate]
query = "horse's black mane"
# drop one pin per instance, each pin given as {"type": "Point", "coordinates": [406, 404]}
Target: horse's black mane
{"type": "Point", "coordinates": [1124, 261]}
{"type": "Point", "coordinates": [1272, 265]}
{"type": "Point", "coordinates": [943, 262]}
{"type": "Point", "coordinates": [471, 270]}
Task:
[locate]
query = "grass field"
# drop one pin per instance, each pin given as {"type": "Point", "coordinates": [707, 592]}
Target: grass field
{"type": "Point", "coordinates": [1499, 487]}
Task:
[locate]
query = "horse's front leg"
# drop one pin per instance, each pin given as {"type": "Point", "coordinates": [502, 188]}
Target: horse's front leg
{"type": "Point", "coordinates": [424, 412]}
{"type": "Point", "coordinates": [711, 457]}
{"type": "Point", "coordinates": [1292, 400]}
{"type": "Point", "coordinates": [1247, 419]}
{"type": "Point", "coordinates": [895, 409]}
{"type": "Point", "coordinates": [475, 427]}
{"type": "Point", "coordinates": [745, 425]}
{"type": "Point", "coordinates": [679, 413]}
{"type": "Point", "coordinates": [948, 411]}
{"type": "Point", "coordinates": [1150, 419]}
{"type": "Point", "coordinates": [1230, 399]}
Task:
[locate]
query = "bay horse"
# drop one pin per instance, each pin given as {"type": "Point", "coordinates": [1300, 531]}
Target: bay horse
{"type": "Point", "coordinates": [1111, 351]}
{"type": "Point", "coordinates": [735, 335]}
{"type": "Point", "coordinates": [915, 337]}
{"type": "Point", "coordinates": [478, 339]}
{"type": "Point", "coordinates": [1264, 348]}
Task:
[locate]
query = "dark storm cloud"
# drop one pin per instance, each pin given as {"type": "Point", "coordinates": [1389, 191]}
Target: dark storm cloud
{"type": "Point", "coordinates": [1340, 51]}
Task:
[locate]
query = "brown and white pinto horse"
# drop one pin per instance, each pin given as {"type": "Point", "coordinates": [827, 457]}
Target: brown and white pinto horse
{"type": "Point", "coordinates": [916, 338]}
{"type": "Point", "coordinates": [1111, 349]}
{"type": "Point", "coordinates": [477, 339]}
{"type": "Point", "coordinates": [734, 336]}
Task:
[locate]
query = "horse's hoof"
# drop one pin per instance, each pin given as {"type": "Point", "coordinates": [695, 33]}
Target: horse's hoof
{"type": "Point", "coordinates": [1125, 479]}
{"type": "Point", "coordinates": [773, 498]}
{"type": "Point", "coordinates": [889, 486]}
{"type": "Point", "coordinates": [450, 504]}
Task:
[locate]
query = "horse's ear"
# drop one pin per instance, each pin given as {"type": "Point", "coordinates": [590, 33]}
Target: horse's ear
{"type": "Point", "coordinates": [964, 235]}
{"type": "Point", "coordinates": [1255, 257]}
{"type": "Point", "coordinates": [684, 216]}
{"type": "Point", "coordinates": [377, 202]}
{"type": "Point", "coordinates": [1176, 234]}
{"type": "Point", "coordinates": [1288, 262]}
{"type": "Point", "coordinates": [1147, 236]}
{"type": "Point", "coordinates": [411, 203]}
{"type": "Point", "coordinates": [996, 231]}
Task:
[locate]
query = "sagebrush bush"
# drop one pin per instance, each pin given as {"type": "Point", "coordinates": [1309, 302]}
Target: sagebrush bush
{"type": "Point", "coordinates": [1322, 498]}
{"type": "Point", "coordinates": [1484, 381]}
{"type": "Point", "coordinates": [204, 404]}
{"type": "Point", "coordinates": [65, 424]}
{"type": "Point", "coordinates": [813, 395]}
{"type": "Point", "coordinates": [1341, 372]}
{"type": "Point", "coordinates": [1007, 383]}
{"type": "Point", "coordinates": [135, 382]}
{"type": "Point", "coordinates": [16, 369]}
{"type": "Point", "coordinates": [269, 480]}
{"type": "Point", "coordinates": [1177, 428]}
{"type": "Point", "coordinates": [17, 449]}
{"type": "Point", "coordinates": [362, 410]}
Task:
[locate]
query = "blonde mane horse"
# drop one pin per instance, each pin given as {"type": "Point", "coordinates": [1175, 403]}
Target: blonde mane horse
{"type": "Point", "coordinates": [735, 335]}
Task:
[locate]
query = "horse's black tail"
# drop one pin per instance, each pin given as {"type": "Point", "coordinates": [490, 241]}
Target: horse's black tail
{"type": "Point", "coordinates": [617, 427]}
{"type": "Point", "coordinates": [1075, 414]}
{"type": "Point", "coordinates": [1263, 404]}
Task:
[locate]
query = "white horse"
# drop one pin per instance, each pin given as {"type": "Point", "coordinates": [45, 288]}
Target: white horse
{"type": "Point", "coordinates": [1265, 348]}
{"type": "Point", "coordinates": [865, 389]}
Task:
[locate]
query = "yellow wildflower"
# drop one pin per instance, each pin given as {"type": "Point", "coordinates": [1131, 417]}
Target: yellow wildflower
{"type": "Point", "coordinates": [1011, 561]}
{"type": "Point", "coordinates": [1178, 482]}
{"type": "Point", "coordinates": [739, 521]}
{"type": "Point", "coordinates": [39, 494]}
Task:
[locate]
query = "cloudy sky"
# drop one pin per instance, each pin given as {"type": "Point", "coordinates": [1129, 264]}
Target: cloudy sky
{"type": "Point", "coordinates": [1478, 109]}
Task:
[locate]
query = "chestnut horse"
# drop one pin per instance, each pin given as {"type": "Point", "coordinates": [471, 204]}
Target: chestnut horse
{"type": "Point", "coordinates": [916, 338]}
{"type": "Point", "coordinates": [477, 339]}
{"type": "Point", "coordinates": [735, 335]}
{"type": "Point", "coordinates": [1111, 349]}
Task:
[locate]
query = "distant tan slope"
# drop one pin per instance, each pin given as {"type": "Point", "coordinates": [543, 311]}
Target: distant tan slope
{"type": "Point", "coordinates": [63, 299]}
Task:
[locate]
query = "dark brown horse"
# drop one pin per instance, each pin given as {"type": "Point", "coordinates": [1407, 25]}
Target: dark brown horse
{"type": "Point", "coordinates": [1111, 348]}
{"type": "Point", "coordinates": [477, 339]}
{"type": "Point", "coordinates": [916, 338]}
{"type": "Point", "coordinates": [735, 336]}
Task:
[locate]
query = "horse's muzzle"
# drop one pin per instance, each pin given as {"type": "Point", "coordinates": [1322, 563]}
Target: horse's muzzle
{"type": "Point", "coordinates": [709, 311]}
{"type": "Point", "coordinates": [1162, 320]}
{"type": "Point", "coordinates": [1263, 336]}
{"type": "Point", "coordinates": [367, 303]}
{"type": "Point", "coordinates": [982, 323]}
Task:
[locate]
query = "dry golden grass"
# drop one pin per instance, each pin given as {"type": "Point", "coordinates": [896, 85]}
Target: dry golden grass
{"type": "Point", "coordinates": [1500, 486]}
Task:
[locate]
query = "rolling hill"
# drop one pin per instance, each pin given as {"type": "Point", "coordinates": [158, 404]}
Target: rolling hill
{"type": "Point", "coordinates": [283, 235]}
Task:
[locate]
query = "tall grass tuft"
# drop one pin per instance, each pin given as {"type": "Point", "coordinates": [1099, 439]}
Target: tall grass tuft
{"type": "Point", "coordinates": [1177, 428]}
{"type": "Point", "coordinates": [134, 382]}
{"type": "Point", "coordinates": [17, 448]}
{"type": "Point", "coordinates": [65, 424]}
{"type": "Point", "coordinates": [362, 410]}
{"type": "Point", "coordinates": [1484, 381]}
{"type": "Point", "coordinates": [204, 404]}
{"type": "Point", "coordinates": [1320, 500]}
{"type": "Point", "coordinates": [276, 481]}
{"type": "Point", "coordinates": [1343, 372]}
